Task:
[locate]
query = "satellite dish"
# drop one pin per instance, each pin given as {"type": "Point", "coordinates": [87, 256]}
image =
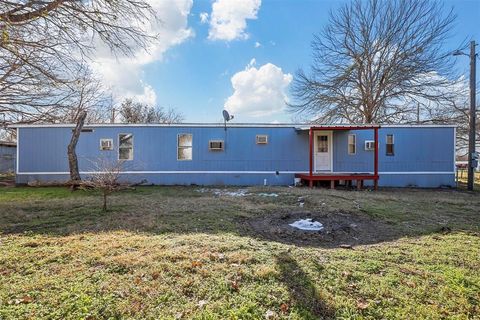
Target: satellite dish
{"type": "Point", "coordinates": [226, 117]}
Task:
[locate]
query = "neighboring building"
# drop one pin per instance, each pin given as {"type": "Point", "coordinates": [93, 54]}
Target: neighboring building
{"type": "Point", "coordinates": [8, 152]}
{"type": "Point", "coordinates": [246, 154]}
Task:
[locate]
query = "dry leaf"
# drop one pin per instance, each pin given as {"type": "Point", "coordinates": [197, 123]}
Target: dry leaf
{"type": "Point", "coordinates": [362, 304]}
{"type": "Point", "coordinates": [25, 299]}
{"type": "Point", "coordinates": [196, 264]}
{"type": "Point", "coordinates": [284, 307]}
{"type": "Point", "coordinates": [234, 285]}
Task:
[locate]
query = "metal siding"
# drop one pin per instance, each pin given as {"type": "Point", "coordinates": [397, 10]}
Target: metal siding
{"type": "Point", "coordinates": [415, 149]}
{"type": "Point", "coordinates": [43, 149]}
{"type": "Point", "coordinates": [8, 155]}
{"type": "Point", "coordinates": [419, 149]}
{"type": "Point", "coordinates": [155, 149]}
{"type": "Point", "coordinates": [235, 179]}
{"type": "Point", "coordinates": [361, 161]}
{"type": "Point", "coordinates": [417, 180]}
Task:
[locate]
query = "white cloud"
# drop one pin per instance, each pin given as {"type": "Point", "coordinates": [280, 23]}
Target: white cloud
{"type": "Point", "coordinates": [124, 75]}
{"type": "Point", "coordinates": [258, 44]}
{"type": "Point", "coordinates": [228, 19]}
{"type": "Point", "coordinates": [258, 92]}
{"type": "Point", "coordinates": [251, 64]}
{"type": "Point", "coordinates": [203, 17]}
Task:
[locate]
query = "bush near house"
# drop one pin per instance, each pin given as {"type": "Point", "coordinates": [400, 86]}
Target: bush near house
{"type": "Point", "coordinates": [190, 253]}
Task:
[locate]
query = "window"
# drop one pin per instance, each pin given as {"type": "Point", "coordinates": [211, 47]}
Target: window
{"type": "Point", "coordinates": [106, 144]}
{"type": "Point", "coordinates": [125, 146]}
{"type": "Point", "coordinates": [352, 144]}
{"type": "Point", "coordinates": [390, 146]}
{"type": "Point", "coordinates": [261, 139]}
{"type": "Point", "coordinates": [322, 143]}
{"type": "Point", "coordinates": [184, 146]}
{"type": "Point", "coordinates": [216, 145]}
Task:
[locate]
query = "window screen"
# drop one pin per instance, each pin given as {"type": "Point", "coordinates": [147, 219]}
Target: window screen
{"type": "Point", "coordinates": [125, 146]}
{"type": "Point", "coordinates": [390, 145]}
{"type": "Point", "coordinates": [184, 146]}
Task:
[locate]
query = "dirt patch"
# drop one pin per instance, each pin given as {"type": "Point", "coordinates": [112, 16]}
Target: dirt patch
{"type": "Point", "coordinates": [339, 229]}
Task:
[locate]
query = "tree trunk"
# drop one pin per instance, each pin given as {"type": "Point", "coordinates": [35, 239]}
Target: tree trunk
{"type": "Point", "coordinates": [72, 156]}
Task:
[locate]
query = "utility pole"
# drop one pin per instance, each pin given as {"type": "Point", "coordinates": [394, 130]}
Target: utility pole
{"type": "Point", "coordinates": [472, 135]}
{"type": "Point", "coordinates": [472, 155]}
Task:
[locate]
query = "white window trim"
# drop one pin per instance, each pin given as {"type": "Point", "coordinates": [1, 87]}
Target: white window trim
{"type": "Point", "coordinates": [118, 149]}
{"type": "Point", "coordinates": [354, 144]}
{"type": "Point", "coordinates": [178, 147]}
{"type": "Point", "coordinates": [393, 144]}
{"type": "Point", "coordinates": [261, 135]}
{"type": "Point", "coordinates": [106, 139]}
{"type": "Point", "coordinates": [215, 140]}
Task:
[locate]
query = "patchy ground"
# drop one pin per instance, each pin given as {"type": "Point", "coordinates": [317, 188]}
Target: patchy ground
{"type": "Point", "coordinates": [180, 253]}
{"type": "Point", "coordinates": [340, 229]}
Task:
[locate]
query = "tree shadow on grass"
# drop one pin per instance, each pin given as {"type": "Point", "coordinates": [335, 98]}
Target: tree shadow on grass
{"type": "Point", "coordinates": [304, 295]}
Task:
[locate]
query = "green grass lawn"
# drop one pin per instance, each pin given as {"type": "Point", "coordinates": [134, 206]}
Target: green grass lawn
{"type": "Point", "coordinates": [176, 253]}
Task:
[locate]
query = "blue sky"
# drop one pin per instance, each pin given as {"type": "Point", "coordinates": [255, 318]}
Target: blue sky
{"type": "Point", "coordinates": [192, 70]}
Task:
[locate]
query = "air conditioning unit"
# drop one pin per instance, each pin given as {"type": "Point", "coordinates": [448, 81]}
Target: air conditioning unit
{"type": "Point", "coordinates": [106, 144]}
{"type": "Point", "coordinates": [262, 139]}
{"type": "Point", "coordinates": [216, 145]}
{"type": "Point", "coordinates": [369, 145]}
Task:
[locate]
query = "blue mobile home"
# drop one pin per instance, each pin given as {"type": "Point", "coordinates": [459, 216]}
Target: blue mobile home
{"type": "Point", "coordinates": [242, 154]}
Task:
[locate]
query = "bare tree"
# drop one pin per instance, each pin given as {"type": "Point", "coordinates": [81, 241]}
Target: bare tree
{"type": "Point", "coordinates": [136, 112]}
{"type": "Point", "coordinates": [376, 61]}
{"type": "Point", "coordinates": [106, 179]}
{"type": "Point", "coordinates": [42, 42]}
{"type": "Point", "coordinates": [455, 111]}
{"type": "Point", "coordinates": [86, 94]}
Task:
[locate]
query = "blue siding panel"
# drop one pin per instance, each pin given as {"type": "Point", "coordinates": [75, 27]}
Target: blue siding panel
{"type": "Point", "coordinates": [417, 149]}
{"type": "Point", "coordinates": [8, 155]}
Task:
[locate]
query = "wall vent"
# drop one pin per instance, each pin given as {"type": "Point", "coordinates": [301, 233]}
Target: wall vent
{"type": "Point", "coordinates": [369, 145]}
{"type": "Point", "coordinates": [106, 144]}
{"type": "Point", "coordinates": [216, 145]}
{"type": "Point", "coordinates": [261, 139]}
